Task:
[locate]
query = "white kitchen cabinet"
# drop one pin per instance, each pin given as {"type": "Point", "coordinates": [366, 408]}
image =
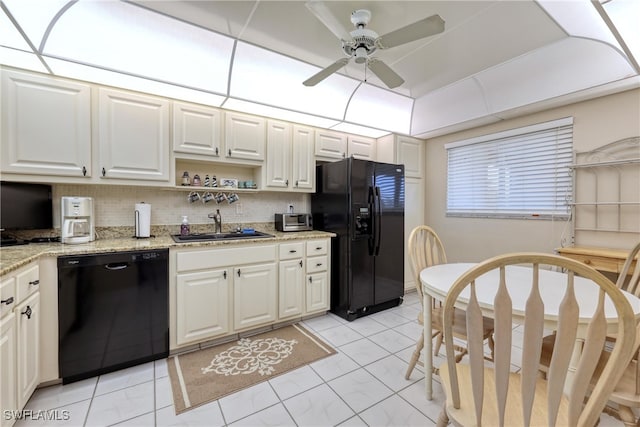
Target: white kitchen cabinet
{"type": "Point", "coordinates": [361, 147]}
{"type": "Point", "coordinates": [254, 295]}
{"type": "Point", "coordinates": [317, 292]}
{"type": "Point", "coordinates": [317, 278]}
{"type": "Point", "coordinates": [278, 164]}
{"type": "Point", "coordinates": [197, 129]}
{"type": "Point", "coordinates": [46, 125]}
{"type": "Point", "coordinates": [330, 145]}
{"type": "Point", "coordinates": [244, 136]}
{"type": "Point", "coordinates": [291, 276]}
{"type": "Point", "coordinates": [133, 136]}
{"type": "Point", "coordinates": [28, 347]}
{"type": "Point", "coordinates": [19, 337]}
{"type": "Point", "coordinates": [303, 167]}
{"type": "Point", "coordinates": [202, 302]}
{"type": "Point", "coordinates": [8, 368]}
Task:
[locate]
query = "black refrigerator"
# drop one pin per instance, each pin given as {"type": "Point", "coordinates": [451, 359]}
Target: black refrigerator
{"type": "Point", "coordinates": [362, 202]}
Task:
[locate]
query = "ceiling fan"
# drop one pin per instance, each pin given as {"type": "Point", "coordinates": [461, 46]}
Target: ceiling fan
{"type": "Point", "coordinates": [362, 42]}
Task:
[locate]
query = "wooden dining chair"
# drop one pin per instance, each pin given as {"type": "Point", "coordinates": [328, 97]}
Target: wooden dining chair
{"type": "Point", "coordinates": [627, 392]}
{"type": "Point", "coordinates": [426, 249]}
{"type": "Point", "coordinates": [496, 396]}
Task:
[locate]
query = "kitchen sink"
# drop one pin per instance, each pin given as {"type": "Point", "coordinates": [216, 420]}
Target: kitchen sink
{"type": "Point", "coordinates": [210, 237]}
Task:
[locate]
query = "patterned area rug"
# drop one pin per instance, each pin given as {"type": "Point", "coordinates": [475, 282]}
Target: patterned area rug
{"type": "Point", "coordinates": [205, 375]}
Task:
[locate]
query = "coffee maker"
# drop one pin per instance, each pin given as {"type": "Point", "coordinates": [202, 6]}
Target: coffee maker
{"type": "Point", "coordinates": [77, 220]}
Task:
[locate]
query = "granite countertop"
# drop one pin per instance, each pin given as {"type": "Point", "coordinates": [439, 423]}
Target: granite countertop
{"type": "Point", "coordinates": [14, 257]}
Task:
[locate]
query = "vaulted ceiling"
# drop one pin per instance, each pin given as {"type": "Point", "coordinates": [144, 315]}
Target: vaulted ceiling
{"type": "Point", "coordinates": [494, 59]}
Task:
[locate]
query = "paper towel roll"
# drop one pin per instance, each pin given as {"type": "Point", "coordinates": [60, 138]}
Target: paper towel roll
{"type": "Point", "coordinates": [143, 219]}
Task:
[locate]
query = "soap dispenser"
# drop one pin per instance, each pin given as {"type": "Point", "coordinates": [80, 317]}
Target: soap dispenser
{"type": "Point", "coordinates": [184, 227]}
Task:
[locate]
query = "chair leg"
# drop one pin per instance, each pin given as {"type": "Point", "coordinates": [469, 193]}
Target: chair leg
{"type": "Point", "coordinates": [492, 345]}
{"type": "Point", "coordinates": [627, 416]}
{"type": "Point", "coordinates": [443, 418]}
{"type": "Point", "coordinates": [436, 347]}
{"type": "Point", "coordinates": [415, 357]}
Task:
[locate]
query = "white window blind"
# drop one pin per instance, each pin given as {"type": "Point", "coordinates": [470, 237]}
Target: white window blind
{"type": "Point", "coordinates": [521, 173]}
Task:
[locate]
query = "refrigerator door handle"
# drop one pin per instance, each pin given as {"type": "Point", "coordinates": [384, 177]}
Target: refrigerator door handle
{"type": "Point", "coordinates": [371, 244]}
{"type": "Point", "coordinates": [378, 222]}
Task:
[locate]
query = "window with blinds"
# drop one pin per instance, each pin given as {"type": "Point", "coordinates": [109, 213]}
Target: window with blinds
{"type": "Point", "coordinates": [520, 173]}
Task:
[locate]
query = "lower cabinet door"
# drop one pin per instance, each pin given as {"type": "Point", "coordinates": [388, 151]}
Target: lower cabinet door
{"type": "Point", "coordinates": [202, 305]}
{"type": "Point", "coordinates": [291, 288]}
{"type": "Point", "coordinates": [8, 371]}
{"type": "Point", "coordinates": [317, 292]}
{"type": "Point", "coordinates": [254, 295]}
{"type": "Point", "coordinates": [28, 347]}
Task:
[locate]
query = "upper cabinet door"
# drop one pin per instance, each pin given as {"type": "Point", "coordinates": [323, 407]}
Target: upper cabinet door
{"type": "Point", "coordinates": [197, 129]}
{"type": "Point", "coordinates": [278, 164]}
{"type": "Point", "coordinates": [331, 144]}
{"type": "Point", "coordinates": [245, 136]}
{"type": "Point", "coordinates": [46, 125]}
{"type": "Point", "coordinates": [133, 136]}
{"type": "Point", "coordinates": [361, 147]}
{"type": "Point", "coordinates": [303, 167]}
{"type": "Point", "coordinates": [411, 154]}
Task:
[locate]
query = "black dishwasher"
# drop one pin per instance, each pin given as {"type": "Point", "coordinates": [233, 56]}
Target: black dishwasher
{"type": "Point", "coordinates": [113, 311]}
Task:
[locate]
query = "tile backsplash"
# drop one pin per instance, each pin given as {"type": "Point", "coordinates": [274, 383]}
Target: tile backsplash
{"type": "Point", "coordinates": [114, 205]}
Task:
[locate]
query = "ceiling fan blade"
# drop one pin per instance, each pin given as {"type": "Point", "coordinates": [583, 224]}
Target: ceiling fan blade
{"type": "Point", "coordinates": [323, 74]}
{"type": "Point", "coordinates": [418, 30]}
{"type": "Point", "coordinates": [384, 73]}
{"type": "Point", "coordinates": [324, 15]}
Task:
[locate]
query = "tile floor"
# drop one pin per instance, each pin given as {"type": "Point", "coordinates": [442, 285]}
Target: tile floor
{"type": "Point", "coordinates": [361, 385]}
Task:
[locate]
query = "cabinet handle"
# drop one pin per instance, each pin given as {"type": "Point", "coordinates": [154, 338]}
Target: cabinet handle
{"type": "Point", "coordinates": [35, 282]}
{"type": "Point", "coordinates": [301, 264]}
{"type": "Point", "coordinates": [28, 312]}
{"type": "Point", "coordinates": [104, 172]}
{"type": "Point", "coordinates": [296, 182]}
{"type": "Point", "coordinates": [84, 171]}
{"type": "Point", "coordinates": [286, 183]}
{"type": "Point", "coordinates": [229, 152]}
{"type": "Point", "coordinates": [7, 301]}
{"type": "Point", "coordinates": [224, 274]}
{"type": "Point", "coordinates": [344, 155]}
{"type": "Point", "coordinates": [318, 248]}
{"type": "Point", "coordinates": [238, 272]}
{"type": "Point", "coordinates": [292, 251]}
{"type": "Point", "coordinates": [216, 151]}
{"type": "Point", "coordinates": [319, 264]}
{"type": "Point", "coordinates": [310, 279]}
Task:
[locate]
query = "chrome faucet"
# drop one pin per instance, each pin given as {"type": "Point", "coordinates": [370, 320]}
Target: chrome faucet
{"type": "Point", "coordinates": [217, 219]}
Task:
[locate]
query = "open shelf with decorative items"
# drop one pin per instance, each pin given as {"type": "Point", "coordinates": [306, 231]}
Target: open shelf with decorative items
{"type": "Point", "coordinates": [194, 175]}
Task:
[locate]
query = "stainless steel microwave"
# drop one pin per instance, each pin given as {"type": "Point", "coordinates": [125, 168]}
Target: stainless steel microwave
{"type": "Point", "coordinates": [293, 222]}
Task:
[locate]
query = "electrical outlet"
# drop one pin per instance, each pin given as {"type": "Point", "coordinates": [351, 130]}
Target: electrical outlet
{"type": "Point", "coordinates": [238, 208]}
{"type": "Point", "coordinates": [290, 208]}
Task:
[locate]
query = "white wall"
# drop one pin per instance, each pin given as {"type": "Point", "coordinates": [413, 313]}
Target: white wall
{"type": "Point", "coordinates": [596, 122]}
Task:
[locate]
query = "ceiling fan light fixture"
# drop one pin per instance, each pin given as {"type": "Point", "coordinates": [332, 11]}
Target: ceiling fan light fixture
{"type": "Point", "coordinates": [361, 55]}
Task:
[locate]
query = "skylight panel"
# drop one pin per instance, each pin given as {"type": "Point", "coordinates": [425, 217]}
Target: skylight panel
{"type": "Point", "coordinates": [380, 108]}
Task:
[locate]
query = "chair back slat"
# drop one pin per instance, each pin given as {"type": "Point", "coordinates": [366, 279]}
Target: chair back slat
{"type": "Point", "coordinates": [476, 349]}
{"type": "Point", "coordinates": [532, 345]}
{"type": "Point", "coordinates": [597, 333]}
{"type": "Point", "coordinates": [502, 338]}
{"type": "Point", "coordinates": [557, 407]}
{"type": "Point", "coordinates": [633, 284]}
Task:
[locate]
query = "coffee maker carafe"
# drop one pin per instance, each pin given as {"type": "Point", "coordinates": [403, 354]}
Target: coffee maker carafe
{"type": "Point", "coordinates": [77, 220]}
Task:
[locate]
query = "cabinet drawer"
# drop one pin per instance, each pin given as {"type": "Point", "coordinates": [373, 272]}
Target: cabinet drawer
{"type": "Point", "coordinates": [316, 264]}
{"type": "Point", "coordinates": [317, 247]}
{"type": "Point", "coordinates": [599, 263]}
{"type": "Point", "coordinates": [7, 295]}
{"type": "Point", "coordinates": [27, 282]}
{"type": "Point", "coordinates": [291, 250]}
{"type": "Point", "coordinates": [216, 258]}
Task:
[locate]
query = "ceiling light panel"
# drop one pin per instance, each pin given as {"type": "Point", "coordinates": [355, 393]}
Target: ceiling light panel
{"type": "Point", "coordinates": [34, 16]}
{"type": "Point", "coordinates": [360, 130]}
{"type": "Point", "coordinates": [10, 36]}
{"type": "Point", "coordinates": [21, 59]}
{"type": "Point", "coordinates": [269, 78]}
{"type": "Point", "coordinates": [380, 108]}
{"type": "Point", "coordinates": [579, 19]}
{"type": "Point", "coordinates": [122, 37]}
{"type": "Point", "coordinates": [277, 113]}
{"type": "Point", "coordinates": [625, 14]}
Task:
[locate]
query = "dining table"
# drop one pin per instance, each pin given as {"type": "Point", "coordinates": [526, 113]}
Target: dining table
{"type": "Point", "coordinates": [438, 279]}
